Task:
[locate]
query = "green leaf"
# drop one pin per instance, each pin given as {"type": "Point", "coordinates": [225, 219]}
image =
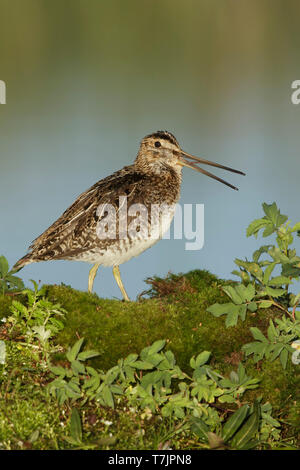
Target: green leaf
{"type": "Point", "coordinates": [220, 309]}
{"type": "Point", "coordinates": [20, 307]}
{"type": "Point", "coordinates": [234, 422]}
{"type": "Point", "coordinates": [257, 254]}
{"type": "Point", "coordinates": [257, 348]}
{"type": "Point", "coordinates": [58, 370]}
{"type": "Point", "coordinates": [232, 318]}
{"type": "Point", "coordinates": [240, 293]}
{"type": "Point", "coordinates": [268, 231]}
{"type": "Point", "coordinates": [265, 304]}
{"type": "Point", "coordinates": [290, 270]}
{"type": "Point", "coordinates": [273, 214]}
{"type": "Point", "coordinates": [252, 306]}
{"type": "Point", "coordinates": [242, 274]}
{"type": "Point", "coordinates": [83, 356]}
{"type": "Point", "coordinates": [275, 292]}
{"type": "Point", "coordinates": [257, 334]}
{"type": "Point", "coordinates": [284, 357]}
{"type": "Point", "coordinates": [14, 282]}
{"type": "Point", "coordinates": [234, 377]}
{"type": "Point", "coordinates": [156, 346]}
{"type": "Point", "coordinates": [251, 267]}
{"type": "Point", "coordinates": [202, 358]}
{"type": "Point", "coordinates": [296, 227]}
{"type": "Point", "coordinates": [42, 333]}
{"type": "Point", "coordinates": [294, 299]}
{"type": "Point", "coordinates": [92, 384]}
{"type": "Point", "coordinates": [77, 367]}
{"type": "Point", "coordinates": [279, 281]}
{"type": "Point", "coordinates": [268, 272]}
{"type": "Point", "coordinates": [233, 294]}
{"type": "Point", "coordinates": [226, 399]}
{"type": "Point", "coordinates": [199, 428]}
{"type": "Point", "coordinates": [4, 266]}
{"type": "Point", "coordinates": [276, 351]}
{"type": "Point", "coordinates": [250, 444]}
{"type": "Point", "coordinates": [278, 255]}
{"type": "Point", "coordinates": [248, 430]}
{"type": "Point", "coordinates": [270, 420]}
{"type": "Point", "coordinates": [130, 358]}
{"type": "Point", "coordinates": [272, 333]}
{"type": "Point", "coordinates": [108, 396]}
{"type": "Point", "coordinates": [256, 271]}
{"type": "Point", "coordinates": [75, 426]}
{"type": "Point", "coordinates": [72, 353]}
{"type": "Point", "coordinates": [255, 226]}
{"type": "Point", "coordinates": [248, 292]}
{"type": "Point", "coordinates": [142, 365]}
{"type": "Point", "coordinates": [72, 386]}
{"type": "Point", "coordinates": [154, 359]}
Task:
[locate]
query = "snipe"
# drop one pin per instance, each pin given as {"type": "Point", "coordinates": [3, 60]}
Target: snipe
{"type": "Point", "coordinates": [94, 228]}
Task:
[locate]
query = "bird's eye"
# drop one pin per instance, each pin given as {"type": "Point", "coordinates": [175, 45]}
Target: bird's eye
{"type": "Point", "coordinates": [157, 144]}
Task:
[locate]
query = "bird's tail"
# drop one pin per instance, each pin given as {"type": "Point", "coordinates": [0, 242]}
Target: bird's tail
{"type": "Point", "coordinates": [27, 259]}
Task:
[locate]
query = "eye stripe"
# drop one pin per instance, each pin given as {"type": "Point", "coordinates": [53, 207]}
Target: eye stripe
{"type": "Point", "coordinates": [165, 135]}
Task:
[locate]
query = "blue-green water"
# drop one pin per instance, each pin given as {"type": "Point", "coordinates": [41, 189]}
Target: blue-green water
{"type": "Point", "coordinates": [86, 80]}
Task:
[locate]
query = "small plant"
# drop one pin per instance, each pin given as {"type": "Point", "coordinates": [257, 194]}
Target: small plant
{"type": "Point", "coordinates": [76, 437]}
{"type": "Point", "coordinates": [75, 429]}
{"type": "Point", "coordinates": [241, 429]}
{"type": "Point", "coordinates": [67, 384]}
{"type": "Point", "coordinates": [278, 342]}
{"type": "Point", "coordinates": [259, 289]}
{"type": "Point", "coordinates": [39, 321]}
{"type": "Point", "coordinates": [8, 281]}
{"type": "Point", "coordinates": [39, 312]}
{"type": "Point", "coordinates": [147, 382]}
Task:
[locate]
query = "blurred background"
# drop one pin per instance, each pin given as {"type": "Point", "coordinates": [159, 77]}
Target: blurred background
{"type": "Point", "coordinates": [87, 79]}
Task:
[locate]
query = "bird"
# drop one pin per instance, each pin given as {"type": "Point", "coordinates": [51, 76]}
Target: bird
{"type": "Point", "coordinates": [94, 228]}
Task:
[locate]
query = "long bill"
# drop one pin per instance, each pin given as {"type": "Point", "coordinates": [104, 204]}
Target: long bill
{"type": "Point", "coordinates": [193, 166]}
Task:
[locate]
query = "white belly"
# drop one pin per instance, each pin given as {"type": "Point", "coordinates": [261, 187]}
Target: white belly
{"type": "Point", "coordinates": [113, 256]}
{"type": "Point", "coordinates": [120, 251]}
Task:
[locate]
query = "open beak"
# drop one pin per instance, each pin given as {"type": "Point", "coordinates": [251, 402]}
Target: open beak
{"type": "Point", "coordinates": [191, 164]}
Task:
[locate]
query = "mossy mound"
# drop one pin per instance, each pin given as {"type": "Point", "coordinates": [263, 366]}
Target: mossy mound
{"type": "Point", "coordinates": [175, 309]}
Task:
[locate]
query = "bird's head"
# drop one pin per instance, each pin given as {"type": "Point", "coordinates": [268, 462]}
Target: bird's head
{"type": "Point", "coordinates": [161, 151]}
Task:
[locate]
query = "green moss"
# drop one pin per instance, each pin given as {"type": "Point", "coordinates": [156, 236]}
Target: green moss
{"type": "Point", "coordinates": [174, 309]}
{"type": "Point", "coordinates": [5, 302]}
{"type": "Point", "coordinates": [117, 329]}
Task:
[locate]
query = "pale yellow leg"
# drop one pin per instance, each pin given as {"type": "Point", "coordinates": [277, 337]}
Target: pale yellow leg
{"type": "Point", "coordinates": [92, 275]}
{"type": "Point", "coordinates": [117, 275]}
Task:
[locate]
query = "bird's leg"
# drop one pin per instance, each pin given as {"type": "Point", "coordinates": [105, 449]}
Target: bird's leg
{"type": "Point", "coordinates": [92, 275]}
{"type": "Point", "coordinates": [117, 276]}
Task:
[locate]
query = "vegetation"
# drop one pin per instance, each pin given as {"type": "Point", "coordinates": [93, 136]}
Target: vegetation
{"type": "Point", "coordinates": [259, 290]}
{"type": "Point", "coordinates": [78, 371]}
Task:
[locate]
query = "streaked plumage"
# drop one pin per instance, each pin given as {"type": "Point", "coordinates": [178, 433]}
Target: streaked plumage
{"type": "Point", "coordinates": [153, 178]}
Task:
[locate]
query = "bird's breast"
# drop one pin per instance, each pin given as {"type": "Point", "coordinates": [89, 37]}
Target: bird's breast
{"type": "Point", "coordinates": [139, 235]}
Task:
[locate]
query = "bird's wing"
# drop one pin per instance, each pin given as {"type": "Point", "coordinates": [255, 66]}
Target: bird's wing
{"type": "Point", "coordinates": [76, 223]}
